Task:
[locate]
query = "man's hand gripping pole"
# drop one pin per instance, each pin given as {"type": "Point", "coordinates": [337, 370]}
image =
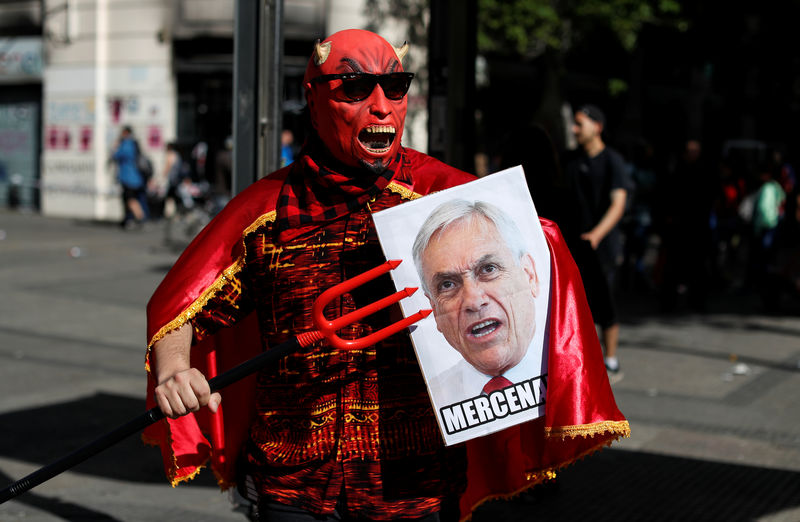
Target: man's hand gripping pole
{"type": "Point", "coordinates": [326, 329]}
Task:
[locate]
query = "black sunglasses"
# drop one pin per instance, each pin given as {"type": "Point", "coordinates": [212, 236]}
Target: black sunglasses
{"type": "Point", "coordinates": [358, 86]}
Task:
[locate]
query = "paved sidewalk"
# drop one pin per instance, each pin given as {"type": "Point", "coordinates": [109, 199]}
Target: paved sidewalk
{"type": "Point", "coordinates": [712, 399]}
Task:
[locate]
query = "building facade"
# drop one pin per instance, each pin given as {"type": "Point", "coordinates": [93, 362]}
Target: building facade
{"type": "Point", "coordinates": [108, 65]}
{"type": "Point", "coordinates": [21, 72]}
{"type": "Point", "coordinates": [74, 72]}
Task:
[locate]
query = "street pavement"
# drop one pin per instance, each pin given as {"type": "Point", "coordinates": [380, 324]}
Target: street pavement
{"type": "Point", "coordinates": [712, 398]}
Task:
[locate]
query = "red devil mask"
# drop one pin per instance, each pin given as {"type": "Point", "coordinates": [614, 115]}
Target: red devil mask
{"type": "Point", "coordinates": [356, 92]}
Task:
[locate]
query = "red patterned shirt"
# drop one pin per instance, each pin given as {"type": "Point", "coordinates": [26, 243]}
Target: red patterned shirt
{"type": "Point", "coordinates": [331, 425]}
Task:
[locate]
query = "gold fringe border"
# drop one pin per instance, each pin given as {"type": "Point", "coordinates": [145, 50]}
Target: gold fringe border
{"type": "Point", "coordinates": [403, 191]}
{"type": "Point", "coordinates": [172, 474]}
{"type": "Point", "coordinates": [175, 480]}
{"type": "Point", "coordinates": [198, 304]}
{"type": "Point", "coordinates": [269, 217]}
{"type": "Point", "coordinates": [184, 317]}
{"type": "Point", "coordinates": [622, 428]}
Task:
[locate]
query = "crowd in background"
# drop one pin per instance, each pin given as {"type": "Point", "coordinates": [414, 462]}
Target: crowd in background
{"type": "Point", "coordinates": [199, 177]}
{"type": "Point", "coordinates": [698, 223]}
{"type": "Point", "coordinates": [725, 221]}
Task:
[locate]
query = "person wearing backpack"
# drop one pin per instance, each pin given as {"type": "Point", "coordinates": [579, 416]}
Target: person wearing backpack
{"type": "Point", "coordinates": [134, 186]}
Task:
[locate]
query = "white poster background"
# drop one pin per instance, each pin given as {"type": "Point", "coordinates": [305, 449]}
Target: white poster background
{"type": "Point", "coordinates": [397, 228]}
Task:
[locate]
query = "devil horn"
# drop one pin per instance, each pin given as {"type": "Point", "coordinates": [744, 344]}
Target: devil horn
{"type": "Point", "coordinates": [321, 52]}
{"type": "Point", "coordinates": [401, 51]}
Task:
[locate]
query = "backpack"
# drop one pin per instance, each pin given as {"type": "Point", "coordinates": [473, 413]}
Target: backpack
{"type": "Point", "coordinates": [143, 164]}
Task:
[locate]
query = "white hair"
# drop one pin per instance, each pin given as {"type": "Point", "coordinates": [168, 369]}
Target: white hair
{"type": "Point", "coordinates": [458, 210]}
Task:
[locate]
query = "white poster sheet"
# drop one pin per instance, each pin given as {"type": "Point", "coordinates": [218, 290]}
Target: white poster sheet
{"type": "Point", "coordinates": [479, 257]}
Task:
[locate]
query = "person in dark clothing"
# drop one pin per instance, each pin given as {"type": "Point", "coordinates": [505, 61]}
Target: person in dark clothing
{"type": "Point", "coordinates": [687, 197]}
{"type": "Point", "coordinates": [599, 178]}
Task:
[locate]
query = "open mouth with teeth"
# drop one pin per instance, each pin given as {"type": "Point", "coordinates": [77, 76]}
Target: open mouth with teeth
{"type": "Point", "coordinates": [377, 139]}
{"type": "Point", "coordinates": [484, 328]}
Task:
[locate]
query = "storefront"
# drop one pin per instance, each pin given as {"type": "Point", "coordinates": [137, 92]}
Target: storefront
{"type": "Point", "coordinates": [20, 121]}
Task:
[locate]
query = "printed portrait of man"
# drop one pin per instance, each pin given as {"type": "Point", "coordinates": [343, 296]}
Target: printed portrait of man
{"type": "Point", "coordinates": [482, 285]}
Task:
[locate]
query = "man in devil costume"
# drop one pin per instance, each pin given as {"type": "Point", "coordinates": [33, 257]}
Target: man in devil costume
{"type": "Point", "coordinates": [331, 434]}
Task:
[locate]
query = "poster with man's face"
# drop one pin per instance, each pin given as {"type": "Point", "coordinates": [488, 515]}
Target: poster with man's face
{"type": "Point", "coordinates": [479, 257]}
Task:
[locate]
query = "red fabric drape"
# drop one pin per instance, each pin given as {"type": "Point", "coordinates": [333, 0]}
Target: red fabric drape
{"type": "Point", "coordinates": [581, 414]}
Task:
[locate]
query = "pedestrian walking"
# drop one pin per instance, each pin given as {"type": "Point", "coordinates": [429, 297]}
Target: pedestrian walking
{"type": "Point", "coordinates": [134, 188]}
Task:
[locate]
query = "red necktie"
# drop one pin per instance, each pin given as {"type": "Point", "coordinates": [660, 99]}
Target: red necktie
{"type": "Point", "coordinates": [496, 383]}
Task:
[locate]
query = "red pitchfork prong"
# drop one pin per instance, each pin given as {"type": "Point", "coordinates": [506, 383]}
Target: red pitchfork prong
{"type": "Point", "coordinates": [328, 328]}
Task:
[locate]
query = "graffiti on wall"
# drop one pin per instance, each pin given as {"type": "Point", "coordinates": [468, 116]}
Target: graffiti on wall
{"type": "Point", "coordinates": [69, 125]}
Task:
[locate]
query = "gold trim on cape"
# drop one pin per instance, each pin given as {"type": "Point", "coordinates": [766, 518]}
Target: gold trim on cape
{"type": "Point", "coordinates": [404, 192]}
{"type": "Point", "coordinates": [200, 302]}
{"type": "Point", "coordinates": [622, 428]}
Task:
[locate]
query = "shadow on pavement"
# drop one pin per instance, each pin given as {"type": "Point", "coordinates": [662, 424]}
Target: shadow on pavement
{"type": "Point", "coordinates": [56, 507]}
{"type": "Point", "coordinates": [790, 365]}
{"type": "Point", "coordinates": [44, 435]}
{"type": "Point", "coordinates": [638, 306]}
{"type": "Point", "coordinates": [626, 485]}
{"type": "Point", "coordinates": [611, 485]}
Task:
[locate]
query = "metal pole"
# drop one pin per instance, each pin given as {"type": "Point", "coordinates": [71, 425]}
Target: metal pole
{"type": "Point", "coordinates": [245, 93]}
{"type": "Point", "coordinates": [451, 62]}
{"type": "Point", "coordinates": [271, 88]}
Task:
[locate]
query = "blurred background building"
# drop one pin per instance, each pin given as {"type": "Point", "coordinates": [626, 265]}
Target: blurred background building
{"type": "Point", "coordinates": [21, 71]}
{"type": "Point", "coordinates": [74, 72]}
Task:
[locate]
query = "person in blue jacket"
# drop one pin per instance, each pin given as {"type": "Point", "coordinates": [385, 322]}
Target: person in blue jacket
{"type": "Point", "coordinates": [134, 195]}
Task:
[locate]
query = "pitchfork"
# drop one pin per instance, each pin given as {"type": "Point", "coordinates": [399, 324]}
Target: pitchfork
{"type": "Point", "coordinates": [326, 329]}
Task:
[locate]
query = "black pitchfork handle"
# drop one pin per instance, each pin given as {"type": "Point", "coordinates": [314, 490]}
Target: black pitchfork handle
{"type": "Point", "coordinates": [141, 422]}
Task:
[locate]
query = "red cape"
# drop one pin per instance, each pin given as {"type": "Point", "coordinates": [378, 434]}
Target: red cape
{"type": "Point", "coordinates": [581, 415]}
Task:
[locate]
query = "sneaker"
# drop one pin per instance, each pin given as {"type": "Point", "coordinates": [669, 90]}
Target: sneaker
{"type": "Point", "coordinates": [615, 375]}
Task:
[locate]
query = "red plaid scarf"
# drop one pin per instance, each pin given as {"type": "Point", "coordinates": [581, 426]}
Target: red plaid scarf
{"type": "Point", "coordinates": [314, 194]}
